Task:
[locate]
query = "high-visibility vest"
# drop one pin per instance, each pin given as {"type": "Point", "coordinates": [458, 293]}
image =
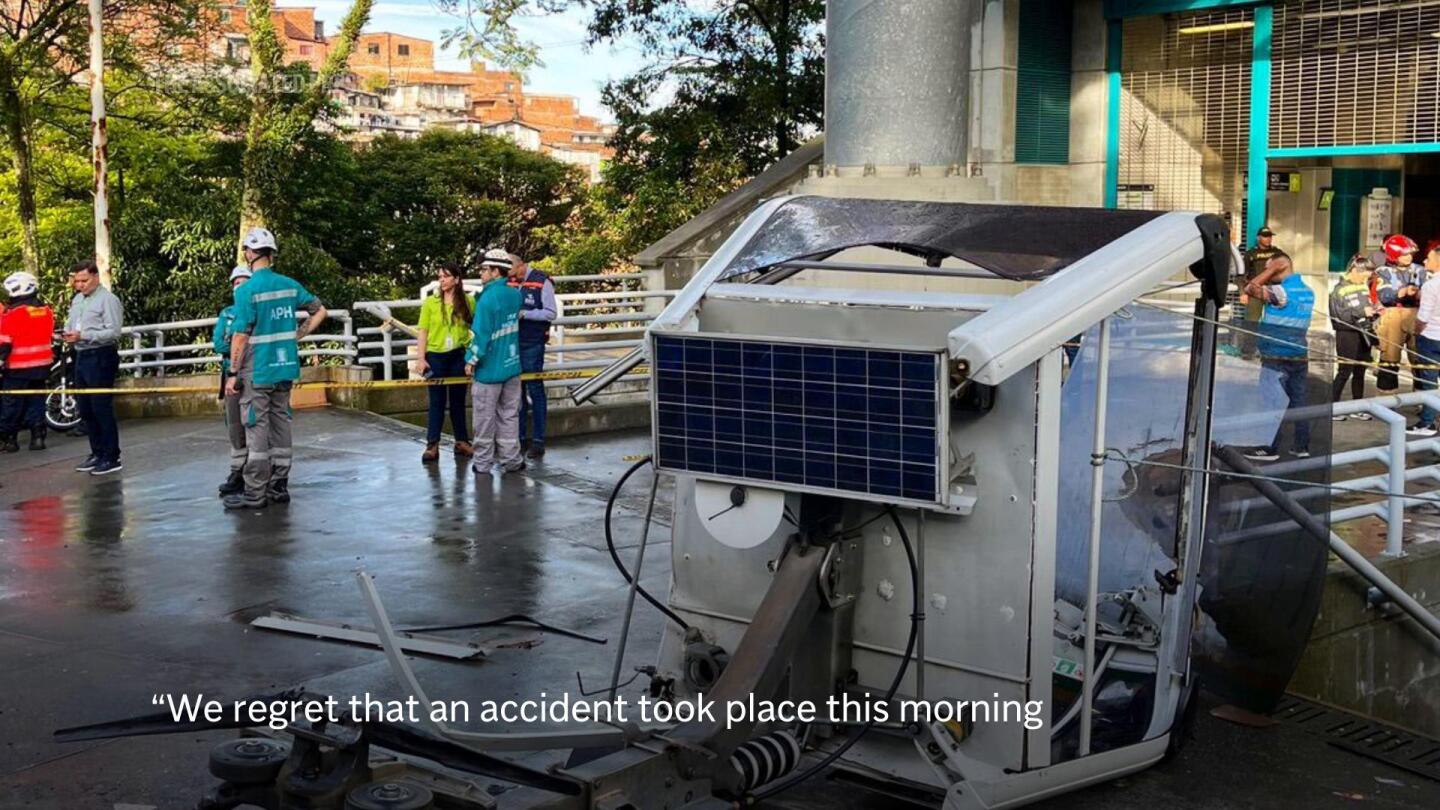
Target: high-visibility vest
{"type": "Point", "coordinates": [28, 331]}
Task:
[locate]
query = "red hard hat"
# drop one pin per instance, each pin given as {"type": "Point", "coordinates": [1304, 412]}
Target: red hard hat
{"type": "Point", "coordinates": [1398, 245]}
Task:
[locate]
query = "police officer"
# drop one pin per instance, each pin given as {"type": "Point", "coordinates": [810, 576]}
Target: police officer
{"type": "Point", "coordinates": [266, 352]}
{"type": "Point", "coordinates": [1255, 260]}
{"type": "Point", "coordinates": [27, 325]}
{"type": "Point", "coordinates": [221, 339]}
{"type": "Point", "coordinates": [1398, 290]}
{"type": "Point", "coordinates": [539, 309]}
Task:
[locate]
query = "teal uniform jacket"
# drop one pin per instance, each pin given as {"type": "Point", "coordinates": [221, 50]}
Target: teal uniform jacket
{"type": "Point", "coordinates": [220, 339]}
{"type": "Point", "coordinates": [265, 308]}
{"type": "Point", "coordinates": [495, 333]}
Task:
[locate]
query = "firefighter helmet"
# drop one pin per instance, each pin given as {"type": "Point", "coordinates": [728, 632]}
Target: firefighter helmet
{"type": "Point", "coordinates": [1398, 245]}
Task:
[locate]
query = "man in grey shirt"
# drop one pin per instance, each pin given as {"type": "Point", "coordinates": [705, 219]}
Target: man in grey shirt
{"type": "Point", "coordinates": [93, 330]}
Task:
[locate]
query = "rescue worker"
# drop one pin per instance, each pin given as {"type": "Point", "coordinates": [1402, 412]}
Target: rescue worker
{"type": "Point", "coordinates": [1256, 259]}
{"type": "Point", "coordinates": [1399, 294]}
{"type": "Point", "coordinates": [1427, 341]}
{"type": "Point", "coordinates": [493, 359]}
{"type": "Point", "coordinates": [221, 339]}
{"type": "Point", "coordinates": [27, 327]}
{"type": "Point", "coordinates": [1352, 316]}
{"type": "Point", "coordinates": [266, 352]}
{"type": "Point", "coordinates": [1284, 351]}
{"type": "Point", "coordinates": [93, 327]}
{"type": "Point", "coordinates": [539, 312]}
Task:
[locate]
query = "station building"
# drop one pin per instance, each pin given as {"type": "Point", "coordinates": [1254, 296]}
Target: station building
{"type": "Point", "coordinates": [1319, 118]}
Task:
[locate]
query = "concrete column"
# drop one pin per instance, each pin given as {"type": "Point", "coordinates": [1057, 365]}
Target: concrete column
{"type": "Point", "coordinates": [1089, 94]}
{"type": "Point", "coordinates": [897, 82]}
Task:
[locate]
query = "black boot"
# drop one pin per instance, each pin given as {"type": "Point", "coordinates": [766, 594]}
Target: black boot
{"type": "Point", "coordinates": [233, 485]}
{"type": "Point", "coordinates": [37, 438]}
{"type": "Point", "coordinates": [244, 501]}
{"type": "Point", "coordinates": [279, 490]}
{"type": "Point", "coordinates": [8, 444]}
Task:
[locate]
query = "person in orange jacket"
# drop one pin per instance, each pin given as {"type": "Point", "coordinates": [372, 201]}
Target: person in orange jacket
{"type": "Point", "coordinates": [27, 326]}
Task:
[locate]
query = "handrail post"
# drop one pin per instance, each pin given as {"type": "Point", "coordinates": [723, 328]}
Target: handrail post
{"type": "Point", "coordinates": [160, 353]}
{"type": "Point", "coordinates": [1395, 519]}
{"type": "Point", "coordinates": [1097, 503]}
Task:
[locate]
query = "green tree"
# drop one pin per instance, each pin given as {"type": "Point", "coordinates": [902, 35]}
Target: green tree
{"type": "Point", "coordinates": [44, 47]}
{"type": "Point", "coordinates": [747, 77]}
{"type": "Point", "coordinates": [745, 82]}
{"type": "Point", "coordinates": [447, 196]}
{"type": "Point", "coordinates": [281, 119]}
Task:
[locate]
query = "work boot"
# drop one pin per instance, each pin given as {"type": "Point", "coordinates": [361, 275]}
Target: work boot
{"type": "Point", "coordinates": [37, 440]}
{"type": "Point", "coordinates": [516, 467]}
{"type": "Point", "coordinates": [536, 451]}
{"type": "Point", "coordinates": [234, 484]}
{"type": "Point", "coordinates": [279, 490]}
{"type": "Point", "coordinates": [432, 452]}
{"type": "Point", "coordinates": [464, 450]}
{"type": "Point", "coordinates": [244, 501]}
{"type": "Point", "coordinates": [8, 444]}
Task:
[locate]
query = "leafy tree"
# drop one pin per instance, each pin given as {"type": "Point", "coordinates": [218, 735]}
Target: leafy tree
{"type": "Point", "coordinates": [354, 223]}
{"type": "Point", "coordinates": [745, 80]}
{"type": "Point", "coordinates": [281, 122]}
{"type": "Point", "coordinates": [447, 196]}
{"type": "Point", "coordinates": [485, 29]}
{"type": "Point", "coordinates": [44, 47]}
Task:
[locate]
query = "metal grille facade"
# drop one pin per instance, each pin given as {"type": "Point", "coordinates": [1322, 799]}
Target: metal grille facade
{"type": "Point", "coordinates": [1355, 72]}
{"type": "Point", "coordinates": [1185, 111]}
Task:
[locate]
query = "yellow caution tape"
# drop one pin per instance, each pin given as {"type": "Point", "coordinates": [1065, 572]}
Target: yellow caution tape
{"type": "Point", "coordinates": [569, 374]}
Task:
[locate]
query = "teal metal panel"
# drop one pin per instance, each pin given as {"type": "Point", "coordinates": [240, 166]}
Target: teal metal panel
{"type": "Point", "coordinates": [1356, 150]}
{"type": "Point", "coordinates": [1120, 9]}
{"type": "Point", "coordinates": [1259, 121]}
{"type": "Point", "coordinates": [1042, 91]}
{"type": "Point", "coordinates": [1351, 186]}
{"type": "Point", "coordinates": [1114, 36]}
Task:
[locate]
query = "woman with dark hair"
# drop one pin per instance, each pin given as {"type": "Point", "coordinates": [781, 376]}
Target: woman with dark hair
{"type": "Point", "coordinates": [444, 332]}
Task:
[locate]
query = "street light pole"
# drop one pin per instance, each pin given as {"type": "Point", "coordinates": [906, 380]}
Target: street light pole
{"type": "Point", "coordinates": [98, 148]}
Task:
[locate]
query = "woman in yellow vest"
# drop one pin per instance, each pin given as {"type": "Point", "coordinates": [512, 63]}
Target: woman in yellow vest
{"type": "Point", "coordinates": [444, 332]}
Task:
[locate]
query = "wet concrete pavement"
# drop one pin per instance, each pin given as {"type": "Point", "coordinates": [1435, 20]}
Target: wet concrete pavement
{"type": "Point", "coordinates": [115, 589]}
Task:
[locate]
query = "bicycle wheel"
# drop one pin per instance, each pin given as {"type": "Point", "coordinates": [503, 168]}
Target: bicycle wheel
{"type": "Point", "coordinates": [61, 410]}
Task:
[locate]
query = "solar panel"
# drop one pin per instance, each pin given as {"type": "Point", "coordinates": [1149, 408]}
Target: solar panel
{"type": "Point", "coordinates": [842, 418]}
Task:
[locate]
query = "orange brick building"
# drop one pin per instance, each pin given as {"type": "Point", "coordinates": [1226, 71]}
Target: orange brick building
{"type": "Point", "coordinates": [302, 35]}
{"type": "Point", "coordinates": [401, 69]}
{"type": "Point", "coordinates": [405, 66]}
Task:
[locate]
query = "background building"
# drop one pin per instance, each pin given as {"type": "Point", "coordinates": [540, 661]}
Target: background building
{"type": "Point", "coordinates": [395, 88]}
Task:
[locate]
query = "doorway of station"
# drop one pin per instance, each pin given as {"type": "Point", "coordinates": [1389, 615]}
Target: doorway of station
{"type": "Point", "coordinates": [1321, 212]}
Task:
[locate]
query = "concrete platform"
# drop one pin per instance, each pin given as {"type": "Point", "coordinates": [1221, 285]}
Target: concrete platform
{"type": "Point", "coordinates": [115, 589]}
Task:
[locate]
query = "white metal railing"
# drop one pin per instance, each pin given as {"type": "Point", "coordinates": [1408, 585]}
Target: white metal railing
{"type": "Point", "coordinates": [593, 328]}
{"type": "Point", "coordinates": [158, 348]}
{"type": "Point", "coordinates": [1396, 453]}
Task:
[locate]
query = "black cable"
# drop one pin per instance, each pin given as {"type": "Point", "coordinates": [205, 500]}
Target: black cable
{"type": "Point", "coordinates": [615, 555]}
{"type": "Point", "coordinates": [514, 619]}
{"type": "Point", "coordinates": [771, 792]}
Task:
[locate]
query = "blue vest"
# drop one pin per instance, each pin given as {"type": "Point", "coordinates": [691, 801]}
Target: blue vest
{"type": "Point", "coordinates": [1283, 330]}
{"type": "Point", "coordinates": [532, 289]}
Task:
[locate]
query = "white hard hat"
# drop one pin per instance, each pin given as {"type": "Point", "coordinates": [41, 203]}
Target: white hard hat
{"type": "Point", "coordinates": [240, 271]}
{"type": "Point", "coordinates": [21, 283]}
{"type": "Point", "coordinates": [257, 238]}
{"type": "Point", "coordinates": [495, 257]}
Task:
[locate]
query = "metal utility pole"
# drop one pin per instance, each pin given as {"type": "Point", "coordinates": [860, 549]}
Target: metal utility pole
{"type": "Point", "coordinates": [98, 153]}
